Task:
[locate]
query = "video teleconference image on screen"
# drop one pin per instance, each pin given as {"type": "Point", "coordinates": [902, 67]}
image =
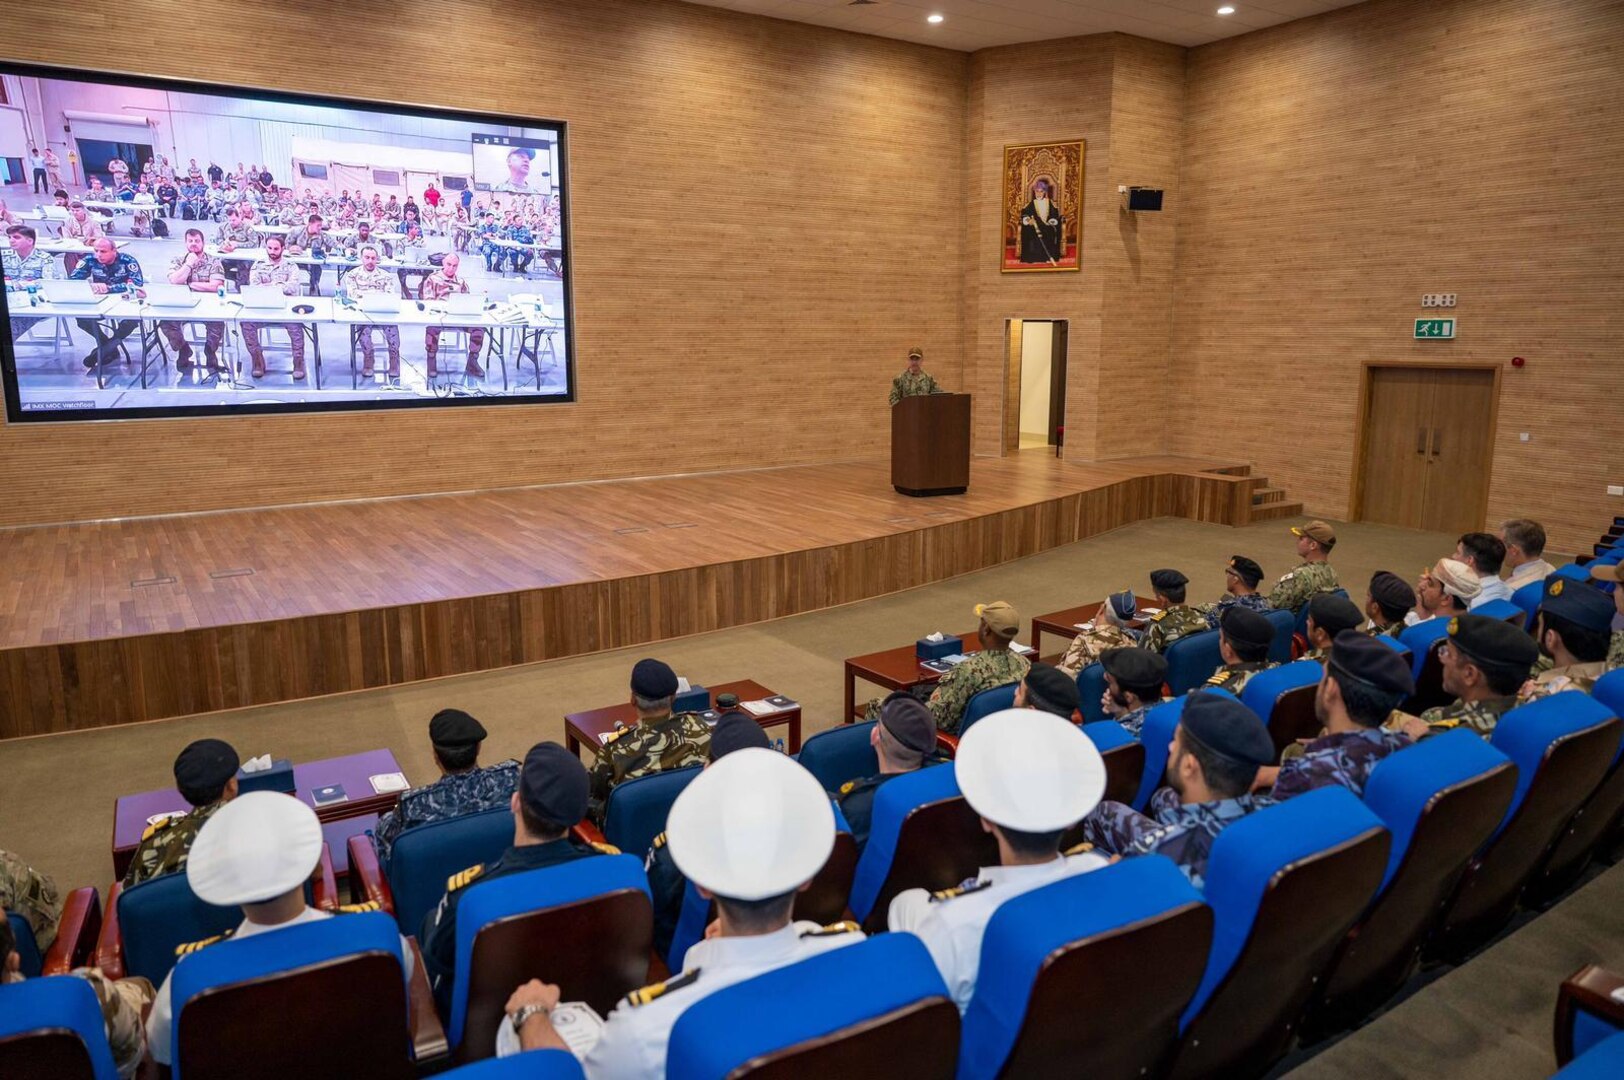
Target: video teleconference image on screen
{"type": "Point", "coordinates": [173, 249]}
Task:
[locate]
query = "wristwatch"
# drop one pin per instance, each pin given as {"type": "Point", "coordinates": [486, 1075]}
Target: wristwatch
{"type": "Point", "coordinates": [522, 1017]}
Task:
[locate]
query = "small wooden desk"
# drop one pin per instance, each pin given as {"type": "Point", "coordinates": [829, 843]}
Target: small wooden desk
{"type": "Point", "coordinates": [586, 727]}
{"type": "Point", "coordinates": [1064, 623]}
{"type": "Point", "coordinates": [898, 669]}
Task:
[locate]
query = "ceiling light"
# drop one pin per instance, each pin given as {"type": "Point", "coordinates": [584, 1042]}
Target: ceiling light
{"type": "Point", "coordinates": [933, 18]}
{"type": "Point", "coordinates": [1226, 10]}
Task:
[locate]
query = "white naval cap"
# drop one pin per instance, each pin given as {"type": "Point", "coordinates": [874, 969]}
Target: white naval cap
{"type": "Point", "coordinates": [254, 848]}
{"type": "Point", "coordinates": [1029, 771]}
{"type": "Point", "coordinates": [754, 824]}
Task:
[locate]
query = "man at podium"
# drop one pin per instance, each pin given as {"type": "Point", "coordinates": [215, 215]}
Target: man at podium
{"type": "Point", "coordinates": [914, 381]}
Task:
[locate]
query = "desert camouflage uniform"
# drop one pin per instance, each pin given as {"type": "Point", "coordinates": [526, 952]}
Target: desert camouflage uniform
{"type": "Point", "coordinates": [1168, 626]}
{"type": "Point", "coordinates": [1234, 679]}
{"type": "Point", "coordinates": [1182, 833]}
{"type": "Point", "coordinates": [1215, 611]}
{"type": "Point", "coordinates": [1615, 651]}
{"type": "Point", "coordinates": [910, 385]}
{"type": "Point", "coordinates": [1087, 646]}
{"type": "Point", "coordinates": [1345, 758]}
{"type": "Point", "coordinates": [166, 845]}
{"type": "Point", "coordinates": [121, 1002]}
{"type": "Point", "coordinates": [1479, 716]}
{"type": "Point", "coordinates": [448, 797]}
{"type": "Point", "coordinates": [27, 892]}
{"type": "Point", "coordinates": [241, 235]}
{"type": "Point", "coordinates": [1574, 677]}
{"type": "Point", "coordinates": [651, 745]}
{"type": "Point", "coordinates": [1296, 587]}
{"type": "Point", "coordinates": [980, 671]}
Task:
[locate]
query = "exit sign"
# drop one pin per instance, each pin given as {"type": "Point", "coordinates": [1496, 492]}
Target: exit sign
{"type": "Point", "coordinates": [1434, 328]}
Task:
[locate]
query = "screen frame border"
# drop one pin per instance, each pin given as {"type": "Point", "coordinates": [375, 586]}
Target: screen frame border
{"type": "Point", "coordinates": [14, 412]}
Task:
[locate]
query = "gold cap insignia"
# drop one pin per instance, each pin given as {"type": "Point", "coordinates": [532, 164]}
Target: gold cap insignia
{"type": "Point", "coordinates": [1454, 626]}
{"type": "Point", "coordinates": [1556, 588]}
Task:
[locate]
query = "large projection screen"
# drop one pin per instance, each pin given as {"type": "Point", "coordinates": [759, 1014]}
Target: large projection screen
{"type": "Point", "coordinates": [202, 250]}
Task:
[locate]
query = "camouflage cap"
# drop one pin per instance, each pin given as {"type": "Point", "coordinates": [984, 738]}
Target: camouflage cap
{"type": "Point", "coordinates": [1000, 617]}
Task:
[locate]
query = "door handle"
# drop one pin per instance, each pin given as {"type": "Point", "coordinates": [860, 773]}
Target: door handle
{"type": "Point", "coordinates": [1437, 441]}
{"type": "Point", "coordinates": [1421, 441]}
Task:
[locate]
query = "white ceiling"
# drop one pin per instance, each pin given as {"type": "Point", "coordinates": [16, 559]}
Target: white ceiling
{"type": "Point", "coordinates": [977, 24]}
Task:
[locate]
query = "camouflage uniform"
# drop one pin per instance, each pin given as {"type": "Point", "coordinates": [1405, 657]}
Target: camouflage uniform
{"type": "Point", "coordinates": [1615, 651]}
{"type": "Point", "coordinates": [27, 892]}
{"type": "Point", "coordinates": [1234, 679]}
{"type": "Point", "coordinates": [121, 1002]}
{"type": "Point", "coordinates": [651, 745]}
{"type": "Point", "coordinates": [1316, 654]}
{"type": "Point", "coordinates": [1168, 626]}
{"type": "Point", "coordinates": [1213, 612]}
{"type": "Point", "coordinates": [165, 846]}
{"type": "Point", "coordinates": [1392, 630]}
{"type": "Point", "coordinates": [1479, 716]}
{"type": "Point", "coordinates": [240, 235]}
{"type": "Point", "coordinates": [448, 797]}
{"type": "Point", "coordinates": [1345, 758]}
{"type": "Point", "coordinates": [1087, 646]}
{"type": "Point", "coordinates": [1574, 677]}
{"type": "Point", "coordinates": [1182, 833]}
{"type": "Point", "coordinates": [910, 385]}
{"type": "Point", "coordinates": [980, 671]}
{"type": "Point", "coordinates": [1296, 587]}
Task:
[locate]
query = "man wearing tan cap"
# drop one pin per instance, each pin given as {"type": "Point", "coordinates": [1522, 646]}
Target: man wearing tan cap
{"type": "Point", "coordinates": [995, 665]}
{"type": "Point", "coordinates": [1446, 589]}
{"type": "Point", "coordinates": [1615, 651]}
{"type": "Point", "coordinates": [1314, 575]}
{"type": "Point", "coordinates": [914, 381]}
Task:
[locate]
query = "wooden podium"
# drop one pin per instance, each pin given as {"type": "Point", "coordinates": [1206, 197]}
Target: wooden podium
{"type": "Point", "coordinates": [930, 444]}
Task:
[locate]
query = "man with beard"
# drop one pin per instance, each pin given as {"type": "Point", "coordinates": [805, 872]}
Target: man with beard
{"type": "Point", "coordinates": [1041, 230]}
{"type": "Point", "coordinates": [1134, 679]}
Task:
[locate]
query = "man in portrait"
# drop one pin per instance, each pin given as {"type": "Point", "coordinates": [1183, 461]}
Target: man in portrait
{"type": "Point", "coordinates": [1041, 226]}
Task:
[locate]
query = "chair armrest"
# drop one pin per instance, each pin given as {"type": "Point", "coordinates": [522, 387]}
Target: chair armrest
{"type": "Point", "coordinates": [324, 883]}
{"type": "Point", "coordinates": [76, 932]}
{"type": "Point", "coordinates": [947, 745]}
{"type": "Point", "coordinates": [428, 1035]}
{"type": "Point", "coordinates": [1593, 989]}
{"type": "Point", "coordinates": [110, 942]}
{"type": "Point", "coordinates": [588, 833]}
{"type": "Point", "coordinates": [367, 881]}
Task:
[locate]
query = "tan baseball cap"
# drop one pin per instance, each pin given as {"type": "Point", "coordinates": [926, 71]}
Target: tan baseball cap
{"type": "Point", "coordinates": [1606, 573]}
{"type": "Point", "coordinates": [916, 351]}
{"type": "Point", "coordinates": [1000, 618]}
{"type": "Point", "coordinates": [1316, 530]}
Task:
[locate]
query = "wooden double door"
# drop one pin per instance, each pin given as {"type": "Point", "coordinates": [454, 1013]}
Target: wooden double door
{"type": "Point", "coordinates": [1427, 446]}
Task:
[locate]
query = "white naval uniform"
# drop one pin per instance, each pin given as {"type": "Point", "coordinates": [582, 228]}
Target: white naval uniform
{"type": "Point", "coordinates": [634, 1038]}
{"type": "Point", "coordinates": [952, 927]}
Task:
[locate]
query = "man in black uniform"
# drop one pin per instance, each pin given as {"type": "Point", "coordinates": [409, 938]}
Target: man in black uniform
{"type": "Point", "coordinates": [551, 799]}
{"type": "Point", "coordinates": [1047, 689]}
{"type": "Point", "coordinates": [904, 739]}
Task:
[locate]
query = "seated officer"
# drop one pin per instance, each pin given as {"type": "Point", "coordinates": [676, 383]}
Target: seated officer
{"type": "Point", "coordinates": [1176, 619]}
{"type": "Point", "coordinates": [1613, 574]}
{"type": "Point", "coordinates": [904, 740]}
{"type": "Point", "coordinates": [206, 774]}
{"type": "Point", "coordinates": [733, 731]}
{"type": "Point", "coordinates": [1134, 681]}
{"type": "Point", "coordinates": [1363, 683]}
{"type": "Point", "coordinates": [750, 832]}
{"type": "Point", "coordinates": [1574, 629]}
{"type": "Point", "coordinates": [1048, 689]}
{"type": "Point", "coordinates": [1329, 615]}
{"type": "Point", "coordinates": [1110, 631]}
{"type": "Point", "coordinates": [1212, 763]}
{"type": "Point", "coordinates": [1485, 662]}
{"type": "Point", "coordinates": [1241, 577]}
{"type": "Point", "coordinates": [1244, 638]}
{"type": "Point", "coordinates": [1030, 776]}
{"type": "Point", "coordinates": [463, 788]}
{"type": "Point", "coordinates": [1387, 601]}
{"type": "Point", "coordinates": [551, 800]}
{"type": "Point", "coordinates": [994, 664]}
{"type": "Point", "coordinates": [256, 852]}
{"type": "Point", "coordinates": [657, 741]}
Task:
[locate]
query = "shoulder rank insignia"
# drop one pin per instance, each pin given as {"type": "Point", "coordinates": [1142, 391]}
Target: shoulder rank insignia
{"type": "Point", "coordinates": [845, 789]}
{"type": "Point", "coordinates": [356, 909]}
{"type": "Point", "coordinates": [161, 824]}
{"type": "Point", "coordinates": [1219, 678]}
{"type": "Point", "coordinates": [1080, 849]}
{"type": "Point", "coordinates": [660, 989]}
{"type": "Point", "coordinates": [659, 842]}
{"type": "Point", "coordinates": [613, 735]}
{"type": "Point", "coordinates": [193, 946]}
{"type": "Point", "coordinates": [464, 877]}
{"type": "Point", "coordinates": [963, 888]}
{"type": "Point", "coordinates": [607, 849]}
{"type": "Point", "coordinates": [845, 926]}
{"type": "Point", "coordinates": [1160, 615]}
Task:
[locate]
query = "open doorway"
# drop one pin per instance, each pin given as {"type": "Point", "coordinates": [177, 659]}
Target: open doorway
{"type": "Point", "coordinates": [1035, 384]}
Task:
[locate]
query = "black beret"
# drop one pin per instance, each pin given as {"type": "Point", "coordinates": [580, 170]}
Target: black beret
{"type": "Point", "coordinates": [1131, 666]}
{"type": "Point", "coordinates": [1362, 657]}
{"type": "Point", "coordinates": [909, 722]}
{"type": "Point", "coordinates": [1578, 603]}
{"type": "Point", "coordinates": [1492, 643]}
{"type": "Point", "coordinates": [1245, 625]}
{"type": "Point", "coordinates": [1391, 591]}
{"type": "Point", "coordinates": [1168, 579]}
{"type": "Point", "coordinates": [205, 764]}
{"type": "Point", "coordinates": [453, 727]}
{"type": "Point", "coordinates": [736, 731]}
{"type": "Point", "coordinates": [553, 785]}
{"type": "Point", "coordinates": [1054, 686]}
{"type": "Point", "coordinates": [653, 679]}
{"type": "Point", "coordinates": [1247, 570]}
{"type": "Point", "coordinates": [1334, 614]}
{"type": "Point", "coordinates": [1228, 728]}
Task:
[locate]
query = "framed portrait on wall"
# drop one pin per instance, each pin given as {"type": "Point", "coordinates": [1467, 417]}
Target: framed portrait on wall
{"type": "Point", "coordinates": [1043, 207]}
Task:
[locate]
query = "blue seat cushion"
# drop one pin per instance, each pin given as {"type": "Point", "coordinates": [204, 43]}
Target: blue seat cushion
{"type": "Point", "coordinates": [1402, 784]}
{"type": "Point", "coordinates": [53, 1003]}
{"type": "Point", "coordinates": [892, 802]}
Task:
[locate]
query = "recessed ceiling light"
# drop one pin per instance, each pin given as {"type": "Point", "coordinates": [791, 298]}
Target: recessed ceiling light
{"type": "Point", "coordinates": [1226, 10]}
{"type": "Point", "coordinates": [933, 18]}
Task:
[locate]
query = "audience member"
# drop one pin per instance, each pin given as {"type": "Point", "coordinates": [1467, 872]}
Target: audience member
{"type": "Point", "coordinates": [1484, 553]}
{"type": "Point", "coordinates": [1525, 552]}
{"type": "Point", "coordinates": [1388, 599]}
{"type": "Point", "coordinates": [1241, 577]}
{"type": "Point", "coordinates": [1328, 615]}
{"type": "Point", "coordinates": [82, 227]}
{"type": "Point", "coordinates": [27, 892]}
{"type": "Point", "coordinates": [1047, 689]}
{"type": "Point", "coordinates": [275, 269]}
{"type": "Point", "coordinates": [1176, 619]}
{"type": "Point", "coordinates": [1615, 650]}
{"type": "Point", "coordinates": [904, 741]}
{"type": "Point", "coordinates": [1110, 630]}
{"type": "Point", "coordinates": [658, 740]}
{"type": "Point", "coordinates": [201, 273]}
{"type": "Point", "coordinates": [1134, 681]}
{"type": "Point", "coordinates": [362, 281]}
{"type": "Point", "coordinates": [206, 774]}
{"type": "Point", "coordinates": [437, 286]}
{"type": "Point", "coordinates": [313, 240]}
{"type": "Point", "coordinates": [22, 265]}
{"type": "Point", "coordinates": [1244, 638]}
{"type": "Point", "coordinates": [1485, 662]}
{"type": "Point", "coordinates": [464, 787]}
{"type": "Point", "coordinates": [1444, 590]}
{"type": "Point", "coordinates": [995, 664]}
{"type": "Point", "coordinates": [1574, 629]}
{"type": "Point", "coordinates": [1314, 574]}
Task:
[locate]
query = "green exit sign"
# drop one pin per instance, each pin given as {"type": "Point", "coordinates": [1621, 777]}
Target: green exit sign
{"type": "Point", "coordinates": [1434, 328]}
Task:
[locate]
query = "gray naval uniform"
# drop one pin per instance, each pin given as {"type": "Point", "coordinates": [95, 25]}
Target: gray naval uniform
{"type": "Point", "coordinates": [1346, 758]}
{"type": "Point", "coordinates": [1182, 833]}
{"type": "Point", "coordinates": [450, 796]}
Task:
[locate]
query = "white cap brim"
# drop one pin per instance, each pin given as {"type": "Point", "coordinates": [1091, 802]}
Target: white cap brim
{"type": "Point", "coordinates": [1029, 771]}
{"type": "Point", "coordinates": [754, 824]}
{"type": "Point", "coordinates": [256, 847]}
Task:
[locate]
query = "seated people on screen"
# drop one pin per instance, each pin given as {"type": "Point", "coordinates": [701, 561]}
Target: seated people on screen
{"type": "Point", "coordinates": [658, 741]}
{"type": "Point", "coordinates": [275, 269]}
{"type": "Point", "coordinates": [363, 237]}
{"type": "Point", "coordinates": [1485, 553]}
{"type": "Point", "coordinates": [487, 232]}
{"type": "Point", "coordinates": [464, 786]}
{"type": "Point", "coordinates": [82, 227]}
{"type": "Point", "coordinates": [913, 381]}
{"type": "Point", "coordinates": [437, 286]}
{"type": "Point", "coordinates": [1387, 600]}
{"type": "Point", "coordinates": [904, 741]}
{"type": "Point", "coordinates": [311, 239]}
{"type": "Point", "coordinates": [23, 266]}
{"type": "Point", "coordinates": [234, 233]}
{"type": "Point", "coordinates": [201, 273]}
{"type": "Point", "coordinates": [370, 280]}
{"type": "Point", "coordinates": [110, 272]}
{"type": "Point", "coordinates": [206, 776]}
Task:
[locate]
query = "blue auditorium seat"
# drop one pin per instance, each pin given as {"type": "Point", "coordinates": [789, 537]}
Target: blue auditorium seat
{"type": "Point", "coordinates": [530, 1065]}
{"type": "Point", "coordinates": [840, 754]}
{"type": "Point", "coordinates": [985, 703]}
{"type": "Point", "coordinates": [1295, 718]}
{"type": "Point", "coordinates": [876, 999]}
{"type": "Point", "coordinates": [52, 1027]}
{"type": "Point", "coordinates": [1572, 572]}
{"type": "Point", "coordinates": [157, 916]}
{"type": "Point", "coordinates": [1123, 756]}
{"type": "Point", "coordinates": [636, 811]}
{"type": "Point", "coordinates": [1094, 968]}
{"type": "Point", "coordinates": [27, 947]}
{"type": "Point", "coordinates": [424, 856]}
{"type": "Point", "coordinates": [1090, 689]}
{"type": "Point", "coordinates": [1396, 645]}
{"type": "Point", "coordinates": [1609, 690]}
{"type": "Point", "coordinates": [1420, 638]}
{"type": "Point", "coordinates": [1156, 735]}
{"type": "Point", "coordinates": [1502, 609]}
{"type": "Point", "coordinates": [1603, 1061]}
{"type": "Point", "coordinates": [1191, 660]}
{"type": "Point", "coordinates": [1284, 627]}
{"type": "Point", "coordinates": [1528, 598]}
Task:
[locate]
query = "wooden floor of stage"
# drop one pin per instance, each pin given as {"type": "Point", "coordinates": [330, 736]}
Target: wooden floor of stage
{"type": "Point", "coordinates": [111, 622]}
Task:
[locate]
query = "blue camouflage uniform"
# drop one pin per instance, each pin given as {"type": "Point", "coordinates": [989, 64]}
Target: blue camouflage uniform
{"type": "Point", "coordinates": [1134, 721]}
{"type": "Point", "coordinates": [1256, 601]}
{"type": "Point", "coordinates": [486, 234]}
{"type": "Point", "coordinates": [1184, 833]}
{"type": "Point", "coordinates": [520, 257]}
{"type": "Point", "coordinates": [450, 796]}
{"type": "Point", "coordinates": [1345, 758]}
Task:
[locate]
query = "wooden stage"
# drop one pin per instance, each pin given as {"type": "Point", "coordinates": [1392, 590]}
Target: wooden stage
{"type": "Point", "coordinates": [122, 621]}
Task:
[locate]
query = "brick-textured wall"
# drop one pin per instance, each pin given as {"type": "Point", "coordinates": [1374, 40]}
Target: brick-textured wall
{"type": "Point", "coordinates": [1338, 167]}
{"type": "Point", "coordinates": [760, 214]}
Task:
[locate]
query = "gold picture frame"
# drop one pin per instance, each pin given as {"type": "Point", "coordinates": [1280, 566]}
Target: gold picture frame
{"type": "Point", "coordinates": [1042, 226]}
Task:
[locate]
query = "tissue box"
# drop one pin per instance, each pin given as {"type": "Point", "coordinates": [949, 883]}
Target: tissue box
{"type": "Point", "coordinates": [279, 777]}
{"type": "Point", "coordinates": [935, 650]}
{"type": "Point", "coordinates": [694, 699]}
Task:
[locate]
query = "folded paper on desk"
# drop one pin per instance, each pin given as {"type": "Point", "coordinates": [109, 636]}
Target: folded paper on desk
{"type": "Point", "coordinates": [384, 783]}
{"type": "Point", "coordinates": [758, 708]}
